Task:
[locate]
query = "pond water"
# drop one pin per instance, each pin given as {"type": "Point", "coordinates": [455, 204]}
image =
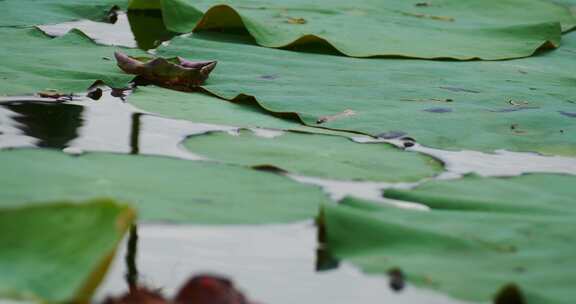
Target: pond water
{"type": "Point", "coordinates": [270, 264]}
{"type": "Point", "coordinates": [106, 125]}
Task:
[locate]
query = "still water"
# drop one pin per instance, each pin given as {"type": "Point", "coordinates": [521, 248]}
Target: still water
{"type": "Point", "coordinates": [270, 264]}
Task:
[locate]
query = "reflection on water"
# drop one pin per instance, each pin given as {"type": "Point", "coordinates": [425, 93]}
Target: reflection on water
{"type": "Point", "coordinates": [26, 124]}
{"type": "Point", "coordinates": [148, 28]}
{"type": "Point", "coordinates": [144, 29]}
{"type": "Point", "coordinates": [33, 119]}
{"type": "Point", "coordinates": [273, 264]}
{"type": "Point", "coordinates": [106, 125]}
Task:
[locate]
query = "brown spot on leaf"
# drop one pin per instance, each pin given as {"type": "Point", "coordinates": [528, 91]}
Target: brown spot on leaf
{"type": "Point", "coordinates": [433, 17]}
{"type": "Point", "coordinates": [55, 94]}
{"type": "Point", "coordinates": [293, 20]}
{"type": "Point", "coordinates": [517, 102]}
{"type": "Point", "coordinates": [345, 113]}
{"type": "Point", "coordinates": [457, 89]}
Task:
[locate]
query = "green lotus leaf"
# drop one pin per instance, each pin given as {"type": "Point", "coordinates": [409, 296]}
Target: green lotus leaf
{"type": "Point", "coordinates": [58, 252]}
{"type": "Point", "coordinates": [531, 193]}
{"type": "Point", "coordinates": [203, 108]}
{"type": "Point", "coordinates": [493, 29]}
{"type": "Point", "coordinates": [518, 105]}
{"type": "Point", "coordinates": [331, 157]}
{"type": "Point", "coordinates": [161, 189]}
{"type": "Point", "coordinates": [31, 62]}
{"type": "Point", "coordinates": [36, 12]}
{"type": "Point", "coordinates": [476, 254]}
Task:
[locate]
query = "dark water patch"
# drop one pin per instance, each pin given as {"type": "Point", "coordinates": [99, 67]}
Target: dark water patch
{"type": "Point", "coordinates": [148, 28]}
{"type": "Point", "coordinates": [52, 125]}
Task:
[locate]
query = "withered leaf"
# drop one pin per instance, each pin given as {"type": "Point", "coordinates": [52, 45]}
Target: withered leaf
{"type": "Point", "coordinates": [181, 75]}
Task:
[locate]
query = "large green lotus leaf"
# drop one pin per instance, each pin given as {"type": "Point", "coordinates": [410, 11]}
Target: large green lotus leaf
{"type": "Point", "coordinates": [534, 193]}
{"type": "Point", "coordinates": [197, 107]}
{"type": "Point", "coordinates": [58, 252]}
{"type": "Point", "coordinates": [202, 108]}
{"type": "Point", "coordinates": [520, 105]}
{"type": "Point", "coordinates": [30, 62]}
{"type": "Point", "coordinates": [469, 254]}
{"type": "Point", "coordinates": [486, 29]}
{"type": "Point", "coordinates": [324, 156]}
{"type": "Point", "coordinates": [35, 12]}
{"type": "Point", "coordinates": [570, 4]}
{"type": "Point", "coordinates": [162, 189]}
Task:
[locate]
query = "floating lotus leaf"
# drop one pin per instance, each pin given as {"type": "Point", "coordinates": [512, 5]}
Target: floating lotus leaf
{"type": "Point", "coordinates": [482, 254]}
{"type": "Point", "coordinates": [58, 252]}
{"type": "Point", "coordinates": [331, 157]}
{"type": "Point", "coordinates": [31, 62]}
{"type": "Point", "coordinates": [532, 193]}
{"type": "Point", "coordinates": [161, 189]}
{"type": "Point", "coordinates": [519, 105]}
{"type": "Point", "coordinates": [37, 12]}
{"type": "Point", "coordinates": [485, 29]}
{"type": "Point", "coordinates": [203, 108]}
